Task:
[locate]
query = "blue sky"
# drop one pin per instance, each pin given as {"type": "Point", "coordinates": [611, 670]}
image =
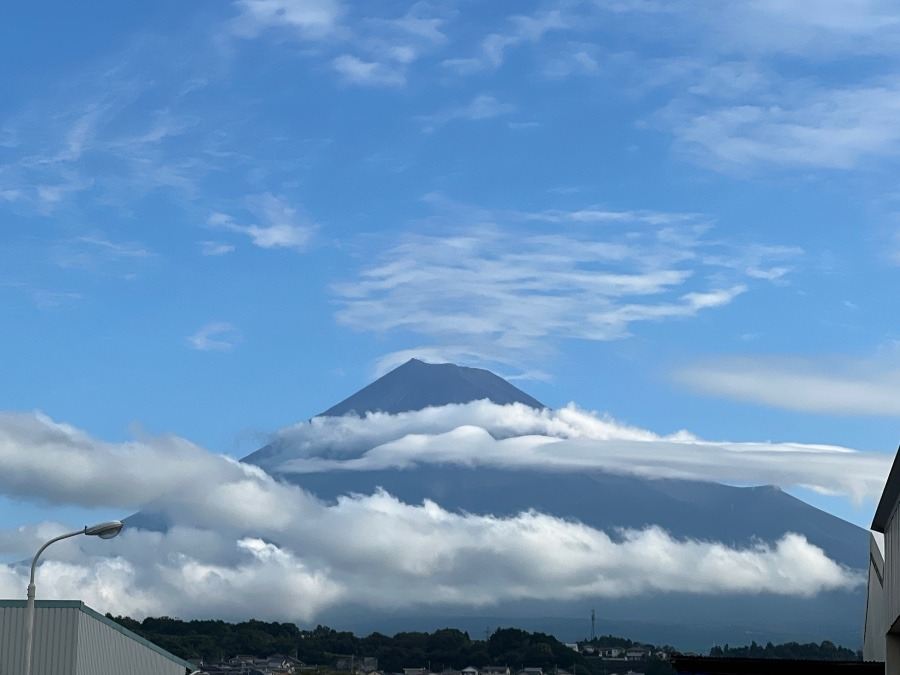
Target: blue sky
{"type": "Point", "coordinates": [220, 220]}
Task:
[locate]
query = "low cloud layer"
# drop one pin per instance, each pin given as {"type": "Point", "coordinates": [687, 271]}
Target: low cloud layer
{"type": "Point", "coordinates": [246, 544]}
{"type": "Point", "coordinates": [568, 439]}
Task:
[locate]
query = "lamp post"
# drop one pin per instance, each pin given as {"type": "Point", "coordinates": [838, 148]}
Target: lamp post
{"type": "Point", "coordinates": [106, 530]}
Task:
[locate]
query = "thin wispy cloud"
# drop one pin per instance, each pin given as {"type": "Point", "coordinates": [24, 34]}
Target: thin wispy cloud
{"type": "Point", "coordinates": [308, 19]}
{"type": "Point", "coordinates": [482, 107]}
{"type": "Point", "coordinates": [44, 299]}
{"type": "Point", "coordinates": [825, 385]}
{"type": "Point", "coordinates": [522, 29]}
{"type": "Point", "coordinates": [218, 336]}
{"type": "Point", "coordinates": [730, 106]}
{"type": "Point", "coordinates": [370, 73]}
{"type": "Point", "coordinates": [246, 539]}
{"type": "Point", "coordinates": [283, 226]}
{"type": "Point", "coordinates": [502, 286]}
{"type": "Point", "coordinates": [827, 128]}
{"type": "Point", "coordinates": [216, 248]}
{"type": "Point", "coordinates": [95, 252]}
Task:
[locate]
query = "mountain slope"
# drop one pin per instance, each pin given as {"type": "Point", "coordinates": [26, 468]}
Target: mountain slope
{"type": "Point", "coordinates": [686, 509]}
{"type": "Point", "coordinates": [416, 385]}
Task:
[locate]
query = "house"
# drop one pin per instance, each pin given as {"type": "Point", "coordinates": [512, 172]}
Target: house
{"type": "Point", "coordinates": [471, 670]}
{"type": "Point", "coordinates": [531, 671]}
{"type": "Point", "coordinates": [70, 638]}
{"type": "Point", "coordinates": [637, 653]}
{"type": "Point", "coordinates": [496, 670]}
{"type": "Point", "coordinates": [715, 665]}
{"type": "Point", "coordinates": [611, 653]}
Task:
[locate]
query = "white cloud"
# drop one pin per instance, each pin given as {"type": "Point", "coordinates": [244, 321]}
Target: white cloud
{"type": "Point", "coordinates": [243, 540]}
{"type": "Point", "coordinates": [828, 128]}
{"type": "Point", "coordinates": [827, 385]}
{"type": "Point", "coordinates": [734, 104]}
{"type": "Point", "coordinates": [503, 285]}
{"type": "Point", "coordinates": [310, 19]}
{"type": "Point", "coordinates": [96, 252]}
{"type": "Point", "coordinates": [391, 46]}
{"type": "Point", "coordinates": [523, 29]}
{"type": "Point", "coordinates": [43, 298]}
{"type": "Point", "coordinates": [816, 30]}
{"type": "Point", "coordinates": [79, 137]}
{"type": "Point", "coordinates": [283, 226]}
{"type": "Point", "coordinates": [216, 336]}
{"type": "Point", "coordinates": [482, 107]}
{"type": "Point", "coordinates": [414, 23]}
{"type": "Point", "coordinates": [568, 439]}
{"type": "Point", "coordinates": [370, 73]}
{"type": "Point", "coordinates": [215, 248]}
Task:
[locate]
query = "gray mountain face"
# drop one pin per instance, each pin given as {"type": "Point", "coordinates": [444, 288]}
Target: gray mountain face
{"type": "Point", "coordinates": [416, 385]}
{"type": "Point", "coordinates": [686, 509]}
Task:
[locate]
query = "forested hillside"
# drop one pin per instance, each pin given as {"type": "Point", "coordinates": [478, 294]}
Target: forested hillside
{"type": "Point", "coordinates": [447, 648]}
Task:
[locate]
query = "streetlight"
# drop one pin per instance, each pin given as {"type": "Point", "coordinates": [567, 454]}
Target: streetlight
{"type": "Point", "coordinates": [106, 530]}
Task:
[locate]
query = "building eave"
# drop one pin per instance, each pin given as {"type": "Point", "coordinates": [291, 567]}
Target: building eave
{"type": "Point", "coordinates": [889, 497]}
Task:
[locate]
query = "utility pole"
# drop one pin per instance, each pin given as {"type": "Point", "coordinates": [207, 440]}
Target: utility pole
{"type": "Point", "coordinates": [593, 619]}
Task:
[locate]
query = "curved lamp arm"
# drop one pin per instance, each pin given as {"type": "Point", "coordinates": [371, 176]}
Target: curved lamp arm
{"type": "Point", "coordinates": [41, 550]}
{"type": "Point", "coordinates": [106, 530]}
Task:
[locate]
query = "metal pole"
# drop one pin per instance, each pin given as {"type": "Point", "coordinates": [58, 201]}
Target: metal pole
{"type": "Point", "coordinates": [29, 608]}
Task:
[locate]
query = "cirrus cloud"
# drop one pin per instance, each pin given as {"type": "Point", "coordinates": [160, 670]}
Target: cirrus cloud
{"type": "Point", "coordinates": [496, 284]}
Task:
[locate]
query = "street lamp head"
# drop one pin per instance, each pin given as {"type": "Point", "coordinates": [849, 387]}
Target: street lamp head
{"type": "Point", "coordinates": [106, 530]}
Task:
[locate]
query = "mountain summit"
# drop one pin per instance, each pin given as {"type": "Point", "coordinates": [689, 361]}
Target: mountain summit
{"type": "Point", "coordinates": [416, 385]}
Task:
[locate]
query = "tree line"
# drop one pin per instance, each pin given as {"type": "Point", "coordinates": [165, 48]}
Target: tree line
{"type": "Point", "coordinates": [213, 640]}
{"type": "Point", "coordinates": [824, 651]}
{"type": "Point", "coordinates": [448, 648]}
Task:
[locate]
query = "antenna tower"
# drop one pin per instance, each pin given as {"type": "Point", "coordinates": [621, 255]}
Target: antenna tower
{"type": "Point", "coordinates": [593, 619]}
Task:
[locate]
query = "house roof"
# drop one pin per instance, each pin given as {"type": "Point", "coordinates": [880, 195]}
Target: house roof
{"type": "Point", "coordinates": [709, 665]}
{"type": "Point", "coordinates": [889, 497]}
{"type": "Point", "coordinates": [77, 604]}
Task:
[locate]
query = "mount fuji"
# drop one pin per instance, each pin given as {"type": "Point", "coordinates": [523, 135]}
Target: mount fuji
{"type": "Point", "coordinates": [736, 516]}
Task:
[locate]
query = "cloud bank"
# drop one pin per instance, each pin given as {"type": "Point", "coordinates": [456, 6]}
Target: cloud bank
{"type": "Point", "coordinates": [569, 439]}
{"type": "Point", "coordinates": [246, 544]}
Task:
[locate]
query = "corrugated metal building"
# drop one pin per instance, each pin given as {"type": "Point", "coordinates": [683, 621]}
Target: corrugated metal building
{"type": "Point", "coordinates": [883, 623]}
{"type": "Point", "coordinates": [874, 629]}
{"type": "Point", "coordinates": [70, 638]}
